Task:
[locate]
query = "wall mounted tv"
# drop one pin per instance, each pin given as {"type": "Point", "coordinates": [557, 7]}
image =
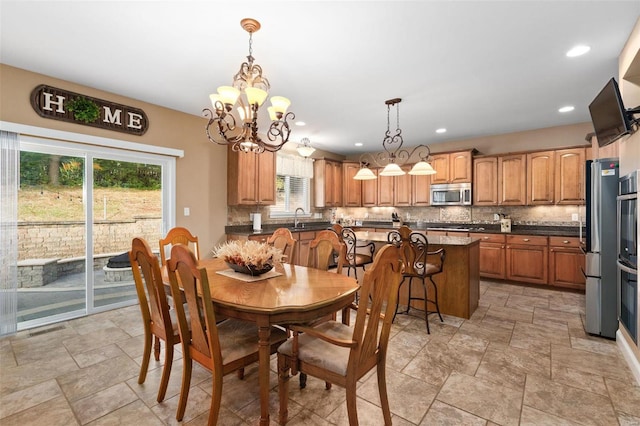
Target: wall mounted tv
{"type": "Point", "coordinates": [609, 117]}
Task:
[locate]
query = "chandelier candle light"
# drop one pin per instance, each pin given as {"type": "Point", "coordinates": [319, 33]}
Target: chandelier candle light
{"type": "Point", "coordinates": [239, 128]}
{"type": "Point", "coordinates": [391, 157]}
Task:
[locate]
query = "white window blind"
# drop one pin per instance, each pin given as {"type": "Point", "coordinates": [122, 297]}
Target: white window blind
{"type": "Point", "coordinates": [293, 183]}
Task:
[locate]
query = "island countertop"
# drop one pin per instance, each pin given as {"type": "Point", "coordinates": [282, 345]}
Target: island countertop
{"type": "Point", "coordinates": [381, 237]}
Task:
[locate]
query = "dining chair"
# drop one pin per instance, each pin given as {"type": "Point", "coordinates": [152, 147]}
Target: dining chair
{"type": "Point", "coordinates": [354, 258]}
{"type": "Point", "coordinates": [415, 252]}
{"type": "Point", "coordinates": [322, 249]}
{"type": "Point", "coordinates": [283, 239]}
{"type": "Point", "coordinates": [339, 354]}
{"type": "Point", "coordinates": [221, 348]}
{"type": "Point", "coordinates": [158, 318]}
{"type": "Point", "coordinates": [178, 235]}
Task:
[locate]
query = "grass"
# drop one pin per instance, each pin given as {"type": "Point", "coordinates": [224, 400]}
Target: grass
{"type": "Point", "coordinates": [51, 203]}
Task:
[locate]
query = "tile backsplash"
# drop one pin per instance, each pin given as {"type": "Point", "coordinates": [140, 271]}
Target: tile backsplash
{"type": "Point", "coordinates": [520, 215]}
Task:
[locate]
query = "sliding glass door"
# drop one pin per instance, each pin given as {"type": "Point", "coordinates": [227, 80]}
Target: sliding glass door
{"type": "Point", "coordinates": [79, 207]}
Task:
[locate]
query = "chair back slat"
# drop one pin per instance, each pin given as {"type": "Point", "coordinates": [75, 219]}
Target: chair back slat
{"type": "Point", "coordinates": [149, 287]}
{"type": "Point", "coordinates": [178, 235]}
{"type": "Point", "coordinates": [192, 282]}
{"type": "Point", "coordinates": [322, 249]}
{"type": "Point", "coordinates": [373, 321]}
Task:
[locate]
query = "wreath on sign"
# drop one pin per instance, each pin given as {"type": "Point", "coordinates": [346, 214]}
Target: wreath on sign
{"type": "Point", "coordinates": [84, 109]}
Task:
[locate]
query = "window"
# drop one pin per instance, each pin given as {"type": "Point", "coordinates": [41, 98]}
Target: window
{"type": "Point", "coordinates": [293, 183]}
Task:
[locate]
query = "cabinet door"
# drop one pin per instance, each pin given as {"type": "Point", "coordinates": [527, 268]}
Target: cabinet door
{"type": "Point", "coordinates": [527, 259]}
{"type": "Point", "coordinates": [566, 263]}
{"type": "Point", "coordinates": [402, 188]}
{"type": "Point", "coordinates": [351, 188]}
{"type": "Point", "coordinates": [302, 246]}
{"type": "Point", "coordinates": [492, 260]}
{"type": "Point", "coordinates": [512, 179]}
{"type": "Point", "coordinates": [440, 163]}
{"type": "Point", "coordinates": [421, 190]}
{"type": "Point", "coordinates": [385, 190]}
{"type": "Point", "coordinates": [460, 167]}
{"type": "Point", "coordinates": [540, 177]}
{"type": "Point", "coordinates": [241, 178]}
{"type": "Point", "coordinates": [265, 178]}
{"type": "Point", "coordinates": [569, 176]}
{"type": "Point", "coordinates": [335, 189]}
{"type": "Point", "coordinates": [370, 191]}
{"type": "Point", "coordinates": [485, 181]}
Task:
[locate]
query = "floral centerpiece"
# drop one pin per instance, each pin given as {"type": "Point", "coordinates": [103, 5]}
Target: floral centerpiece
{"type": "Point", "coordinates": [249, 257]}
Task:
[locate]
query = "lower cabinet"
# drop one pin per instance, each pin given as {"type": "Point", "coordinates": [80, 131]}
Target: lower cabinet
{"type": "Point", "coordinates": [566, 263]}
{"type": "Point", "coordinates": [492, 255]}
{"type": "Point", "coordinates": [302, 246]}
{"type": "Point", "coordinates": [527, 259]}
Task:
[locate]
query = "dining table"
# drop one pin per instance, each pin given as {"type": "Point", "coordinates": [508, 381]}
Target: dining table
{"type": "Point", "coordinates": [288, 294]}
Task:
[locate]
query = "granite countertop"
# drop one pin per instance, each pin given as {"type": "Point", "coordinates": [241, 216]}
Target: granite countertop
{"type": "Point", "coordinates": [543, 230]}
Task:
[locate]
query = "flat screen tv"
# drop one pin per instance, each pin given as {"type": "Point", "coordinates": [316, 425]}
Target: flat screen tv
{"type": "Point", "coordinates": [608, 115]}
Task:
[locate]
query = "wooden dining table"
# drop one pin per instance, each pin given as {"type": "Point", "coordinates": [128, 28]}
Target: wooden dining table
{"type": "Point", "coordinates": [298, 295]}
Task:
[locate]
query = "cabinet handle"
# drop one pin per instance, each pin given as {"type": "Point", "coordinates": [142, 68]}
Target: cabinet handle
{"type": "Point", "coordinates": [485, 238]}
{"type": "Point", "coordinates": [502, 247]}
{"type": "Point", "coordinates": [551, 250]}
{"type": "Point", "coordinates": [565, 242]}
{"type": "Point", "coordinates": [525, 239]}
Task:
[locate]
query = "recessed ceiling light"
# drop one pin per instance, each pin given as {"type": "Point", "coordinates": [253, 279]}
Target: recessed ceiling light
{"type": "Point", "coordinates": [567, 108]}
{"type": "Point", "coordinates": [578, 50]}
{"type": "Point", "coordinates": [358, 144]}
{"type": "Point", "coordinates": [300, 123]}
{"type": "Point", "coordinates": [441, 130]}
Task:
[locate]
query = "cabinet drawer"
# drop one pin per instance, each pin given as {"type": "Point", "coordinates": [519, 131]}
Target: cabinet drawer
{"type": "Point", "coordinates": [489, 238]}
{"type": "Point", "coordinates": [260, 238]}
{"type": "Point", "coordinates": [530, 240]}
{"type": "Point", "coordinates": [306, 235]}
{"type": "Point", "coordinates": [564, 242]}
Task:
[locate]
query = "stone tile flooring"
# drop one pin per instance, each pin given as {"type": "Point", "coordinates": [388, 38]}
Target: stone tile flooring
{"type": "Point", "coordinates": [523, 358]}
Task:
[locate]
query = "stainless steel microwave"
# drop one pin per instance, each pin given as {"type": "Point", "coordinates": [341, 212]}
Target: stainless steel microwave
{"type": "Point", "coordinates": [451, 194]}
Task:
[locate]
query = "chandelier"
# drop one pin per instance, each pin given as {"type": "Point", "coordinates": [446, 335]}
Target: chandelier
{"type": "Point", "coordinates": [305, 150]}
{"type": "Point", "coordinates": [239, 127]}
{"type": "Point", "coordinates": [393, 158]}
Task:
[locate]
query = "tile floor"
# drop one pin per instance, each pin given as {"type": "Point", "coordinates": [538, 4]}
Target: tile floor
{"type": "Point", "coordinates": [523, 358]}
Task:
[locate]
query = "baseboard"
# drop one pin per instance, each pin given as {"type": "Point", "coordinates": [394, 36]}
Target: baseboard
{"type": "Point", "coordinates": [629, 356]}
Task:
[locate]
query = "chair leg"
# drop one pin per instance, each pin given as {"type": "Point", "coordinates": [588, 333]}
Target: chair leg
{"type": "Point", "coordinates": [283, 388]}
{"type": "Point", "coordinates": [145, 356]}
{"type": "Point", "coordinates": [351, 402]}
{"type": "Point", "coordinates": [303, 380]}
{"type": "Point", "coordinates": [240, 373]}
{"type": "Point", "coordinates": [156, 348]}
{"type": "Point", "coordinates": [382, 389]}
{"type": "Point", "coordinates": [397, 300]}
{"type": "Point", "coordinates": [186, 383]}
{"type": "Point", "coordinates": [166, 372]}
{"type": "Point", "coordinates": [409, 298]}
{"type": "Point", "coordinates": [216, 398]}
{"type": "Point", "coordinates": [426, 306]}
{"type": "Point", "coordinates": [435, 299]}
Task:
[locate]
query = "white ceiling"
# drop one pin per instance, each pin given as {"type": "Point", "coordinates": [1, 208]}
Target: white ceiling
{"type": "Point", "coordinates": [476, 68]}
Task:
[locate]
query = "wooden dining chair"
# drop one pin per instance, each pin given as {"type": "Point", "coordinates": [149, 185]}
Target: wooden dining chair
{"type": "Point", "coordinates": [322, 249]}
{"type": "Point", "coordinates": [222, 347]}
{"type": "Point", "coordinates": [415, 252]}
{"type": "Point", "coordinates": [157, 317]}
{"type": "Point", "coordinates": [178, 235]}
{"type": "Point", "coordinates": [283, 239]}
{"type": "Point", "coordinates": [339, 354]}
{"type": "Point", "coordinates": [357, 255]}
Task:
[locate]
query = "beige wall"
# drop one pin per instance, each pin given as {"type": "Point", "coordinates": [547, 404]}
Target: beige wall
{"type": "Point", "coordinates": [629, 81]}
{"type": "Point", "coordinates": [201, 173]}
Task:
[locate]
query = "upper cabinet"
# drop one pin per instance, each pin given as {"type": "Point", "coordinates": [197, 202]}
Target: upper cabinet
{"type": "Point", "coordinates": [421, 190]}
{"type": "Point", "coordinates": [512, 180]}
{"type": "Point", "coordinates": [569, 176]}
{"type": "Point", "coordinates": [402, 188]}
{"type": "Point", "coordinates": [485, 181]}
{"type": "Point", "coordinates": [540, 177]}
{"type": "Point", "coordinates": [453, 167]}
{"type": "Point", "coordinates": [351, 188]}
{"type": "Point", "coordinates": [251, 178]}
{"type": "Point", "coordinates": [327, 176]}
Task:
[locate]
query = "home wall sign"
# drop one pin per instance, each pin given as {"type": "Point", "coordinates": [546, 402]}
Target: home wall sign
{"type": "Point", "coordinates": [63, 105]}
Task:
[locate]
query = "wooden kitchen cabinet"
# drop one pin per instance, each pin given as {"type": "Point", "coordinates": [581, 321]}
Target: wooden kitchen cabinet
{"type": "Point", "coordinates": [527, 258]}
{"type": "Point", "coordinates": [540, 178]}
{"type": "Point", "coordinates": [351, 188]}
{"type": "Point", "coordinates": [485, 182]}
{"type": "Point", "coordinates": [402, 188]}
{"type": "Point", "coordinates": [454, 167]}
{"type": "Point", "coordinates": [385, 191]}
{"type": "Point", "coordinates": [370, 191]}
{"type": "Point", "coordinates": [566, 263]}
{"type": "Point", "coordinates": [421, 190]}
{"type": "Point", "coordinates": [251, 178]}
{"type": "Point", "coordinates": [512, 180]}
{"type": "Point", "coordinates": [492, 255]}
{"type": "Point", "coordinates": [327, 177]}
{"type": "Point", "coordinates": [302, 246]}
{"type": "Point", "coordinates": [569, 176]}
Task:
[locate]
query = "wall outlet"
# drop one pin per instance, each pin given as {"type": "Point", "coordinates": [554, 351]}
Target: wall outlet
{"type": "Point", "coordinates": [496, 216]}
{"type": "Point", "coordinates": [575, 217]}
{"type": "Point", "coordinates": [187, 211]}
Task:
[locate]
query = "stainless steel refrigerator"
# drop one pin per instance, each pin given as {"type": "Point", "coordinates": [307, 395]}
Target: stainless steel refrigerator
{"type": "Point", "coordinates": [601, 248]}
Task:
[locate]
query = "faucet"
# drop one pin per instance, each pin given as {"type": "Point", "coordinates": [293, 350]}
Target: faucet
{"type": "Point", "coordinates": [295, 217]}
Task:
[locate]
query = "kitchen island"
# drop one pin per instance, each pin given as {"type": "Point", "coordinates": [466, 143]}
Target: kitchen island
{"type": "Point", "coordinates": [459, 282]}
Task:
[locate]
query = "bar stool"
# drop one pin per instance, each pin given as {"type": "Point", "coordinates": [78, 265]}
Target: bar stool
{"type": "Point", "coordinates": [414, 247]}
